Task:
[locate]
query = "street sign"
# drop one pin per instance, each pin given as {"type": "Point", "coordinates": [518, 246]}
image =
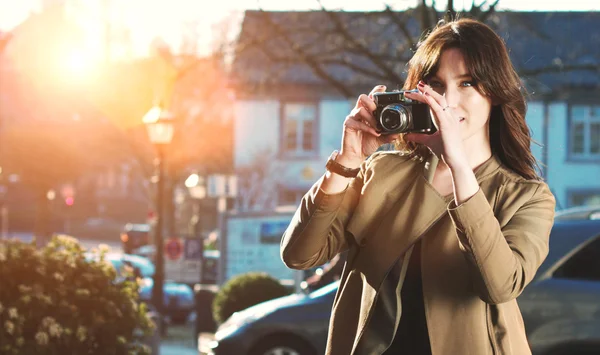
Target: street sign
{"type": "Point", "coordinates": [193, 249]}
{"type": "Point", "coordinates": [174, 248]}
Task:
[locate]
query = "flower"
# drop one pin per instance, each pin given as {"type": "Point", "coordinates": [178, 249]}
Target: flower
{"type": "Point", "coordinates": [81, 333]}
{"type": "Point", "coordinates": [13, 313]}
{"type": "Point", "coordinates": [24, 289]}
{"type": "Point", "coordinates": [9, 326]}
{"type": "Point", "coordinates": [48, 321]}
{"type": "Point", "coordinates": [41, 338]}
{"type": "Point", "coordinates": [55, 330]}
{"type": "Point", "coordinates": [82, 292]}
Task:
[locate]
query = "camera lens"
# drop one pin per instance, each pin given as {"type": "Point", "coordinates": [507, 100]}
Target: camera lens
{"type": "Point", "coordinates": [390, 119]}
{"type": "Point", "coordinates": [394, 119]}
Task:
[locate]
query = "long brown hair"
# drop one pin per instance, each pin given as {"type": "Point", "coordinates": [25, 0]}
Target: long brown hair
{"type": "Point", "coordinates": [488, 63]}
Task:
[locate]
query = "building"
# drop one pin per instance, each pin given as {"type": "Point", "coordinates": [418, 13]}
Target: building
{"type": "Point", "coordinates": [293, 99]}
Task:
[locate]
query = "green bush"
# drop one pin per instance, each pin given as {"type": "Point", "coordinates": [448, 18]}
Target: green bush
{"type": "Point", "coordinates": [55, 301]}
{"type": "Point", "coordinates": [244, 291]}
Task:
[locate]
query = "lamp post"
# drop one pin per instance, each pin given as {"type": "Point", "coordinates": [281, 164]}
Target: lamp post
{"type": "Point", "coordinates": [159, 124]}
{"type": "Point", "coordinates": [197, 190]}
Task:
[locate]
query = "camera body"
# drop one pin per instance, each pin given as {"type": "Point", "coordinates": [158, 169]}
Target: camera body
{"type": "Point", "coordinates": [396, 113]}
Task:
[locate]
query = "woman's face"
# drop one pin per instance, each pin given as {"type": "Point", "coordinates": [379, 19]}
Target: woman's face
{"type": "Point", "coordinates": [453, 81]}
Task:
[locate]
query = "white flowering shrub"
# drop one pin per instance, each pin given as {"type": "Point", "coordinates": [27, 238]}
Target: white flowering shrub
{"type": "Point", "coordinates": [55, 301]}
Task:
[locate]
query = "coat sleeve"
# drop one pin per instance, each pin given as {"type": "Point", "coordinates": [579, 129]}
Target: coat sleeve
{"type": "Point", "coordinates": [317, 231]}
{"type": "Point", "coordinates": [504, 260]}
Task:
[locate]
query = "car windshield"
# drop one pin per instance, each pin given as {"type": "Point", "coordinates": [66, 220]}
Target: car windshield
{"type": "Point", "coordinates": [145, 266]}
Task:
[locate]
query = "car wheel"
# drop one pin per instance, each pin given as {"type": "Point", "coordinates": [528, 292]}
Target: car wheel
{"type": "Point", "coordinates": [282, 345]}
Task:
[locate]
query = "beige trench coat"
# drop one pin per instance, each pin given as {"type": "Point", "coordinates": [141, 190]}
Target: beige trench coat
{"type": "Point", "coordinates": [476, 258]}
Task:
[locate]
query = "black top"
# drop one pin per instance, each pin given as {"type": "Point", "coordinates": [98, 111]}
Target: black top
{"type": "Point", "coordinates": [412, 337]}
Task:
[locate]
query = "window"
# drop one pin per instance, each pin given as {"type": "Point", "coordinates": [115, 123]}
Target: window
{"type": "Point", "coordinates": [584, 198]}
{"type": "Point", "coordinates": [299, 128]}
{"type": "Point", "coordinates": [585, 131]}
{"type": "Point", "coordinates": [584, 265]}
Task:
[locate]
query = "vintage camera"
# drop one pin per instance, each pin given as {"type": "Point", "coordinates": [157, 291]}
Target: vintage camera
{"type": "Point", "coordinates": [396, 113]}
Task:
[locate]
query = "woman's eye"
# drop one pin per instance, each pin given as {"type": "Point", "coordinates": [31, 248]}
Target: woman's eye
{"type": "Point", "coordinates": [467, 83]}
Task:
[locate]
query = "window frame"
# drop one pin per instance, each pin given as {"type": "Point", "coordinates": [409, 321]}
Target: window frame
{"type": "Point", "coordinates": [580, 191]}
{"type": "Point", "coordinates": [587, 121]}
{"type": "Point", "coordinates": [297, 190]}
{"type": "Point", "coordinates": [299, 152]}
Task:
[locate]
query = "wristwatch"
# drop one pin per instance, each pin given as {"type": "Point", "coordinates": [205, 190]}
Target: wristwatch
{"type": "Point", "coordinates": [338, 168]}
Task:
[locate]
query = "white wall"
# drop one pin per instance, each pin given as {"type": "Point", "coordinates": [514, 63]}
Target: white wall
{"type": "Point", "coordinates": [256, 129]}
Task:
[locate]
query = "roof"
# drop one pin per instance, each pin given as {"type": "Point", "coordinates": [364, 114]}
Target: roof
{"type": "Point", "coordinates": [535, 40]}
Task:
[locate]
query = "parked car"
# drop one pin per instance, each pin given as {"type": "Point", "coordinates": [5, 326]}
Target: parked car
{"type": "Point", "coordinates": [560, 307]}
{"type": "Point", "coordinates": [178, 298]}
{"type": "Point", "coordinates": [578, 213]}
{"type": "Point", "coordinates": [134, 236]}
{"type": "Point", "coordinates": [210, 263]}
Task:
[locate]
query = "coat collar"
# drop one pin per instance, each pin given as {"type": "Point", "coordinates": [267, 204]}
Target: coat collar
{"type": "Point", "coordinates": [487, 168]}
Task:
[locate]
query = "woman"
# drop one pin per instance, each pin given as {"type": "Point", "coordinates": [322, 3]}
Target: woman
{"type": "Point", "coordinates": [433, 267]}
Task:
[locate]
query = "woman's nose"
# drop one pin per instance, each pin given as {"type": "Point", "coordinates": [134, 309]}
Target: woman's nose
{"type": "Point", "coordinates": [451, 97]}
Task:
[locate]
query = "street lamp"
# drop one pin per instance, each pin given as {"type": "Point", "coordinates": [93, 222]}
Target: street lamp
{"type": "Point", "coordinates": [159, 124]}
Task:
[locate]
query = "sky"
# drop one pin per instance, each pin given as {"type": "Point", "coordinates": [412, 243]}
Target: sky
{"type": "Point", "coordinates": [168, 19]}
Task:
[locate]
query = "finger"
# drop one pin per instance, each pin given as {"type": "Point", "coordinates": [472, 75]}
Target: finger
{"type": "Point", "coordinates": [367, 102]}
{"type": "Point", "coordinates": [416, 97]}
{"type": "Point", "coordinates": [378, 88]}
{"type": "Point", "coordinates": [424, 88]}
{"type": "Point", "coordinates": [367, 116]}
{"type": "Point", "coordinates": [353, 121]}
{"type": "Point", "coordinates": [440, 114]}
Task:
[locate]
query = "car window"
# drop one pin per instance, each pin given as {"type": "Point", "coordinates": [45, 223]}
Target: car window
{"type": "Point", "coordinates": [583, 265]}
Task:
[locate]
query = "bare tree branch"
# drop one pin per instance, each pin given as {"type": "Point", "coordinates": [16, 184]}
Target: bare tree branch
{"type": "Point", "coordinates": [312, 63]}
{"type": "Point", "coordinates": [559, 68]}
{"type": "Point", "coordinates": [485, 15]}
{"type": "Point", "coordinates": [345, 41]}
{"type": "Point", "coordinates": [356, 68]}
{"type": "Point", "coordinates": [394, 16]}
{"type": "Point", "coordinates": [391, 74]}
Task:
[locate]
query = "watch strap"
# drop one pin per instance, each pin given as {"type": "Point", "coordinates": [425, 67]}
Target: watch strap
{"type": "Point", "coordinates": [338, 168]}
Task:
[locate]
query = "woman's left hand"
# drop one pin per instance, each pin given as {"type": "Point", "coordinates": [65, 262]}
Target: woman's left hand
{"type": "Point", "coordinates": [446, 143]}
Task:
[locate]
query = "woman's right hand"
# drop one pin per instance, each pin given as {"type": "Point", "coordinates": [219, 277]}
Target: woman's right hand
{"type": "Point", "coordinates": [360, 138]}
